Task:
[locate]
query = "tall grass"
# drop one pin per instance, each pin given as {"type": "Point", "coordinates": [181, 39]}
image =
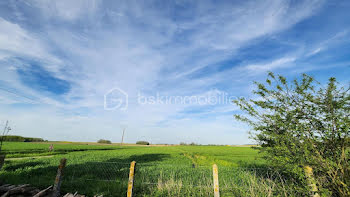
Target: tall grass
{"type": "Point", "coordinates": [160, 171]}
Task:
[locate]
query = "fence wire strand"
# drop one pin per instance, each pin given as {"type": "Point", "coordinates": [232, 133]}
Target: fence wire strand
{"type": "Point", "coordinates": [95, 177]}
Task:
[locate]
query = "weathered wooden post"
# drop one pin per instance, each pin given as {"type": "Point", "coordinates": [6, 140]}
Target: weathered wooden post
{"type": "Point", "coordinates": [59, 176]}
{"type": "Point", "coordinates": [311, 181]}
{"type": "Point", "coordinates": [216, 181]}
{"type": "Point", "coordinates": [131, 179]}
{"type": "Point", "coordinates": [2, 160]}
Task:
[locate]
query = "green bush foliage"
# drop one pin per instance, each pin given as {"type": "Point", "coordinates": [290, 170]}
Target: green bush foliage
{"type": "Point", "coordinates": [16, 138]}
{"type": "Point", "coordinates": [303, 124]}
{"type": "Point", "coordinates": [142, 142]}
{"type": "Point", "coordinates": [190, 144]}
{"type": "Point", "coordinates": [102, 141]}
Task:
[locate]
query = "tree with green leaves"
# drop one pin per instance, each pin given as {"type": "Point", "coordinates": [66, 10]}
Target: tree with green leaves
{"type": "Point", "coordinates": [302, 123]}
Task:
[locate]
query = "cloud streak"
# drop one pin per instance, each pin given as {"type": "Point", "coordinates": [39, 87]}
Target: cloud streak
{"type": "Point", "coordinates": [171, 48]}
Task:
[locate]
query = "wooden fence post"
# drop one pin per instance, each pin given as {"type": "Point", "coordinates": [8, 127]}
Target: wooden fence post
{"type": "Point", "coordinates": [131, 178]}
{"type": "Point", "coordinates": [2, 160]}
{"type": "Point", "coordinates": [216, 181]}
{"type": "Point", "coordinates": [311, 181]}
{"type": "Point", "coordinates": [59, 176]}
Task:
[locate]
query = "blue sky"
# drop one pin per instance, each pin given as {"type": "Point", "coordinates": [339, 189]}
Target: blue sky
{"type": "Point", "coordinates": [59, 60]}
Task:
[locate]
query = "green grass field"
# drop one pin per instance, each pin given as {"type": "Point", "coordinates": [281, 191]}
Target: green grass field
{"type": "Point", "coordinates": [160, 170]}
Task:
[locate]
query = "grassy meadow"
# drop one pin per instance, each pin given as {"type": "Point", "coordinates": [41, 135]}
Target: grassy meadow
{"type": "Point", "coordinates": [160, 170]}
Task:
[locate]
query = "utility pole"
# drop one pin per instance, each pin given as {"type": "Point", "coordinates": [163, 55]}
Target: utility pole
{"type": "Point", "coordinates": [6, 130]}
{"type": "Point", "coordinates": [4, 133]}
{"type": "Point", "coordinates": [121, 144]}
{"type": "Point", "coordinates": [6, 125]}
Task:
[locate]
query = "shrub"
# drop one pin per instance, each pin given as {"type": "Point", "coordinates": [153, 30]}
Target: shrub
{"type": "Point", "coordinates": [142, 142]}
{"type": "Point", "coordinates": [16, 138]}
{"type": "Point", "coordinates": [190, 144]}
{"type": "Point", "coordinates": [31, 139]}
{"type": "Point", "coordinates": [300, 125]}
{"type": "Point", "coordinates": [102, 141]}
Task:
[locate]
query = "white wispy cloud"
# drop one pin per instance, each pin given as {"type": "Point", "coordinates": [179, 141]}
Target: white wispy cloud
{"type": "Point", "coordinates": [140, 48]}
{"type": "Point", "coordinates": [325, 44]}
{"type": "Point", "coordinates": [279, 63]}
{"type": "Point", "coordinates": [65, 9]}
{"type": "Point", "coordinates": [15, 41]}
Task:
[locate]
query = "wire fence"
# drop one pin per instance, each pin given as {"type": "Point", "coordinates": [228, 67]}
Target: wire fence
{"type": "Point", "coordinates": [111, 179]}
{"type": "Point", "coordinates": [152, 178]}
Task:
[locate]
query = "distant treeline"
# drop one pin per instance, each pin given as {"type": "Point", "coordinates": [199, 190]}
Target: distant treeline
{"type": "Point", "coordinates": [190, 144]}
{"type": "Point", "coordinates": [142, 143]}
{"type": "Point", "coordinates": [102, 141]}
{"type": "Point", "coordinates": [16, 138]}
